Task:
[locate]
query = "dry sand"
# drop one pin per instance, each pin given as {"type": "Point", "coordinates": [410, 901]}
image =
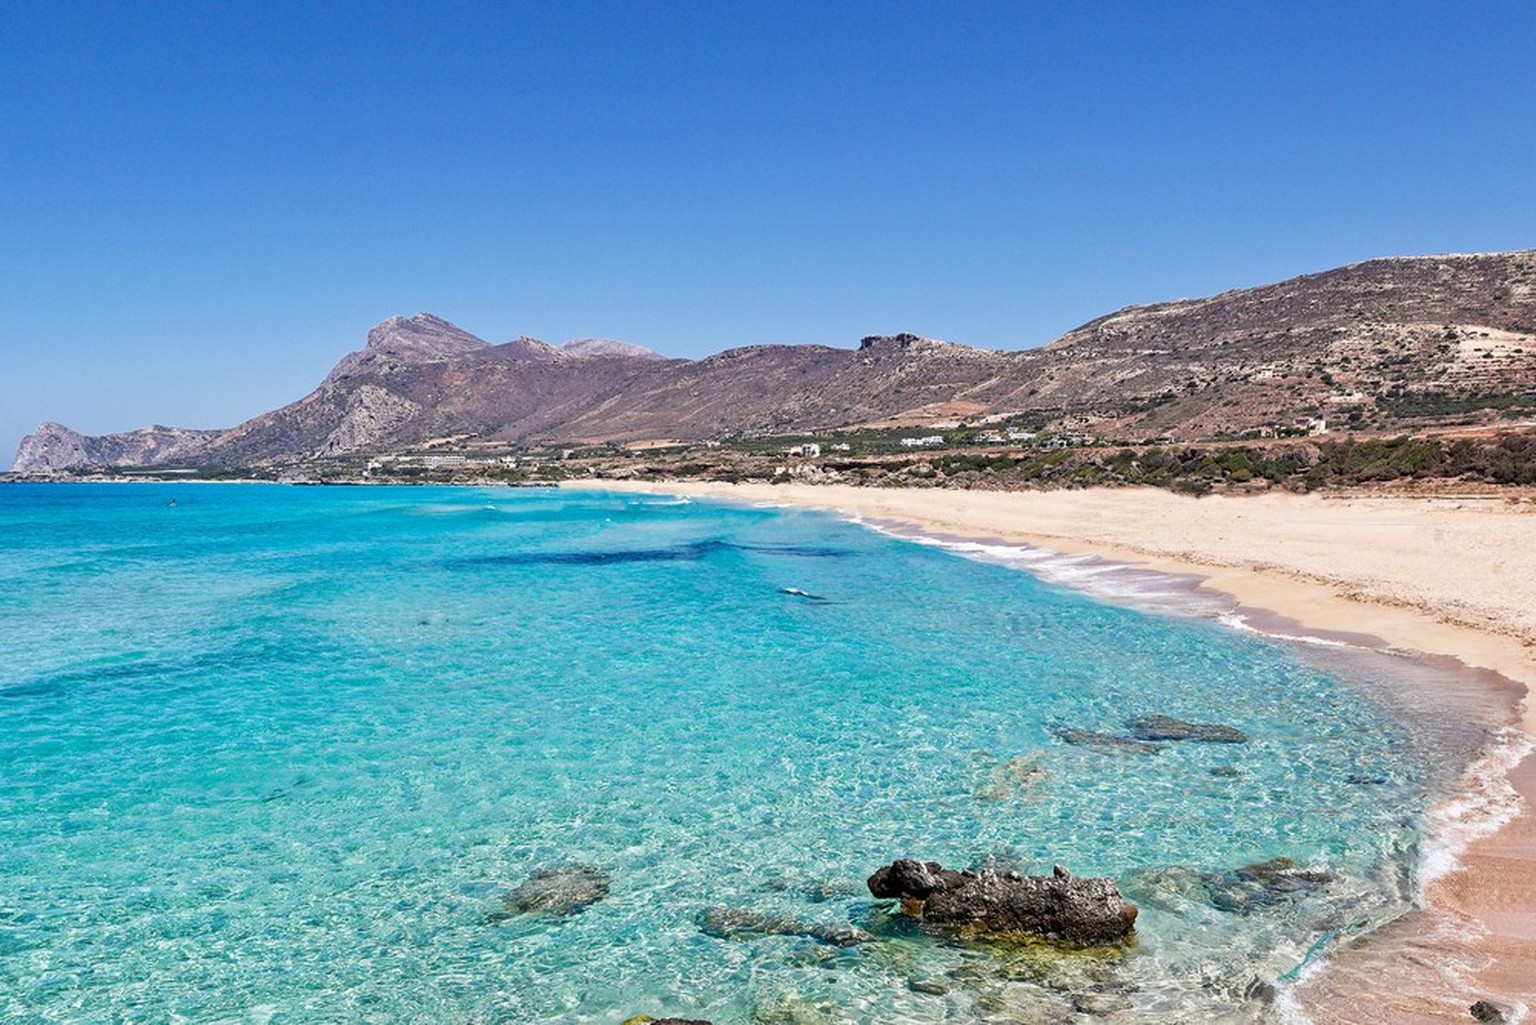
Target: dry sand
{"type": "Point", "coordinates": [1450, 576]}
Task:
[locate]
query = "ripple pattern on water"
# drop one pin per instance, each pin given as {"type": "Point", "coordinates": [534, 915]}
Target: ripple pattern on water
{"type": "Point", "coordinates": [279, 754]}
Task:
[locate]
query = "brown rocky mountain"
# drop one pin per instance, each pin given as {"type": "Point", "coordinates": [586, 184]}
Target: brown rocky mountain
{"type": "Point", "coordinates": [1378, 345]}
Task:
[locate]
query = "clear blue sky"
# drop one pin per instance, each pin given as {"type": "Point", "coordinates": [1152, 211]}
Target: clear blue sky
{"type": "Point", "coordinates": [203, 206]}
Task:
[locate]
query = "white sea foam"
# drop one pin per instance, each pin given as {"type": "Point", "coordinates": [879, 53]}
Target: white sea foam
{"type": "Point", "coordinates": [1485, 800]}
{"type": "Point", "coordinates": [1287, 1007]}
{"type": "Point", "coordinates": [1238, 621]}
{"type": "Point", "coordinates": [1091, 574]}
{"type": "Point", "coordinates": [1484, 804]}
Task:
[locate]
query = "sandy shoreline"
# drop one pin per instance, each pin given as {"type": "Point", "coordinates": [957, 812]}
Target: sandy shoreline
{"type": "Point", "coordinates": [1444, 576]}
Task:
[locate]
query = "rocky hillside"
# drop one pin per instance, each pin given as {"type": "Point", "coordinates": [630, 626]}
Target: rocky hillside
{"type": "Point", "coordinates": [1380, 345]}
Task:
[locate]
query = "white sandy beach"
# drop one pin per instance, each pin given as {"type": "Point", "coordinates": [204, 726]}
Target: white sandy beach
{"type": "Point", "coordinates": [1448, 576]}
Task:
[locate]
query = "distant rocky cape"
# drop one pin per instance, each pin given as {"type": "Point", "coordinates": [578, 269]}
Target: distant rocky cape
{"type": "Point", "coordinates": [1356, 339]}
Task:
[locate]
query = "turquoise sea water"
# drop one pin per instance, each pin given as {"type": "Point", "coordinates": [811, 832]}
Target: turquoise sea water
{"type": "Point", "coordinates": [275, 754]}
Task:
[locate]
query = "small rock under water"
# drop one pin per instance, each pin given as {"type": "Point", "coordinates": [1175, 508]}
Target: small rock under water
{"type": "Point", "coordinates": [555, 890]}
{"type": "Point", "coordinates": [1242, 890]}
{"type": "Point", "coordinates": [1106, 740]}
{"type": "Point", "coordinates": [1165, 727]}
{"type": "Point", "coordinates": [734, 923]}
{"type": "Point", "coordinates": [816, 892]}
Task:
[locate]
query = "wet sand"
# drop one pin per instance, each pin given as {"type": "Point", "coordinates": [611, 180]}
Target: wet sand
{"type": "Point", "coordinates": [1443, 576]}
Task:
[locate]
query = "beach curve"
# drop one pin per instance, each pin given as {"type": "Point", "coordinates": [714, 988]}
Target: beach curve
{"type": "Point", "coordinates": [1452, 576]}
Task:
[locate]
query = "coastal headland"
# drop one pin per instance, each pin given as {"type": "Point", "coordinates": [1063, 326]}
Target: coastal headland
{"type": "Point", "coordinates": [1450, 577]}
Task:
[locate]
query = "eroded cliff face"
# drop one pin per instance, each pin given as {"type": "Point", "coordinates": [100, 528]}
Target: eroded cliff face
{"type": "Point", "coordinates": [54, 447]}
{"type": "Point", "coordinates": [51, 447]}
{"type": "Point", "coordinates": [1364, 345]}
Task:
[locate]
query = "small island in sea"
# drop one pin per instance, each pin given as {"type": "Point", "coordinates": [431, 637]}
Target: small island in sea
{"type": "Point", "coordinates": [1173, 671]}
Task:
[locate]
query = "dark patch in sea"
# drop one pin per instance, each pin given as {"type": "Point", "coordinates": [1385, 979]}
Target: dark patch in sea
{"type": "Point", "coordinates": [190, 668]}
{"type": "Point", "coordinates": [690, 552]}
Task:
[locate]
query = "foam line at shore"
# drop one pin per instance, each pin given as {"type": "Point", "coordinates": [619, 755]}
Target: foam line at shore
{"type": "Point", "coordinates": [1115, 582]}
{"type": "Point", "coordinates": [1484, 802]}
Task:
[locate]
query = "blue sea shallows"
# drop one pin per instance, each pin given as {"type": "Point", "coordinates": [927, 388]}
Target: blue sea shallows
{"type": "Point", "coordinates": [279, 754]}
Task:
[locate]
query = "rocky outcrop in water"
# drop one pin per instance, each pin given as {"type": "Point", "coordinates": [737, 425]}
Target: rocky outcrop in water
{"type": "Point", "coordinates": [1165, 727]}
{"type": "Point", "coordinates": [1060, 906]}
{"type": "Point", "coordinates": [735, 923]}
{"type": "Point", "coordinates": [555, 890]}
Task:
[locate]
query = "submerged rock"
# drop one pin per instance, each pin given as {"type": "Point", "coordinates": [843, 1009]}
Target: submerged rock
{"type": "Point", "coordinates": [1106, 740]}
{"type": "Point", "coordinates": [1059, 907]}
{"type": "Point", "coordinates": [734, 923]}
{"type": "Point", "coordinates": [555, 890]}
{"type": "Point", "coordinates": [1022, 1004]}
{"type": "Point", "coordinates": [791, 1009]}
{"type": "Point", "coordinates": [1039, 962]}
{"type": "Point", "coordinates": [817, 892]}
{"type": "Point", "coordinates": [1249, 888]}
{"type": "Point", "coordinates": [645, 1019]}
{"type": "Point", "coordinates": [1164, 727]}
{"type": "Point", "coordinates": [1100, 1004]}
{"type": "Point", "coordinates": [1017, 777]}
{"type": "Point", "coordinates": [1284, 875]}
{"type": "Point", "coordinates": [1260, 991]}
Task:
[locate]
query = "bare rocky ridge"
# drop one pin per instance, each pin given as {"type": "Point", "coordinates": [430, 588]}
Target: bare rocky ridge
{"type": "Point", "coordinates": [1369, 346]}
{"type": "Point", "coordinates": [401, 341]}
{"type": "Point", "coordinates": [54, 446]}
{"type": "Point", "coordinates": [606, 347]}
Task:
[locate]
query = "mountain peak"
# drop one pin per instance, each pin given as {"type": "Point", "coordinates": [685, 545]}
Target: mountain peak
{"type": "Point", "coordinates": [422, 338]}
{"type": "Point", "coordinates": [590, 348]}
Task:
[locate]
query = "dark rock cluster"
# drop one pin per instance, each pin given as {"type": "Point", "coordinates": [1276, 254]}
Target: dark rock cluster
{"type": "Point", "coordinates": [1488, 1012]}
{"type": "Point", "coordinates": [1060, 906]}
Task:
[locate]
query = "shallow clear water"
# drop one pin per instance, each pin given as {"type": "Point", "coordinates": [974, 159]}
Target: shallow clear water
{"type": "Point", "coordinates": [275, 754]}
